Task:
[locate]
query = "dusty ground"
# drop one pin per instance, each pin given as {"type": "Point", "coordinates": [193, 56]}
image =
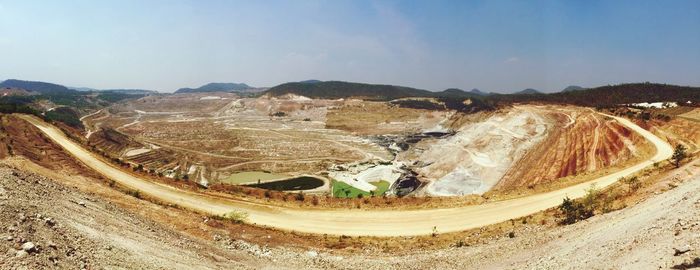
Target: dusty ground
{"type": "Point", "coordinates": [642, 236]}
{"type": "Point", "coordinates": [71, 229]}
{"type": "Point", "coordinates": [380, 118]}
{"type": "Point", "coordinates": [210, 139]}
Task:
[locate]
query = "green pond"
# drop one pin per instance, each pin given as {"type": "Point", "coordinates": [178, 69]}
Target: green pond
{"type": "Point", "coordinates": [296, 183]}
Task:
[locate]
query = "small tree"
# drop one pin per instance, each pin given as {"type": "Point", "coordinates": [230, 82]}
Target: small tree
{"type": "Point", "coordinates": [575, 210]}
{"type": "Point", "coordinates": [679, 154]}
{"type": "Point", "coordinates": [300, 196]}
{"type": "Point", "coordinates": [633, 183]}
{"type": "Point", "coordinates": [235, 216]}
{"type": "Point", "coordinates": [589, 203]}
{"type": "Point", "coordinates": [570, 210]}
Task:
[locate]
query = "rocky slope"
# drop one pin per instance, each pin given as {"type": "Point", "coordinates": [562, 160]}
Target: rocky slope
{"type": "Point", "coordinates": [48, 225]}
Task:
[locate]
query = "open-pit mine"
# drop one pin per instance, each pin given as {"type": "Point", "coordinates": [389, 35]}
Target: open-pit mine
{"type": "Point", "coordinates": [276, 174]}
{"type": "Point", "coordinates": [357, 147]}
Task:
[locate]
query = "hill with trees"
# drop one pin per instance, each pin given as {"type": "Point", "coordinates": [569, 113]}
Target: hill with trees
{"type": "Point", "coordinates": [572, 88]}
{"type": "Point", "coordinates": [528, 91]}
{"type": "Point", "coordinates": [215, 87]}
{"type": "Point", "coordinates": [338, 89]}
{"type": "Point", "coordinates": [612, 95]}
{"type": "Point", "coordinates": [37, 87]}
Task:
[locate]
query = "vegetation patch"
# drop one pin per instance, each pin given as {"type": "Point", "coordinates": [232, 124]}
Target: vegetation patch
{"type": "Point", "coordinates": [234, 216]}
{"type": "Point", "coordinates": [65, 115]}
{"type": "Point", "coordinates": [343, 190]}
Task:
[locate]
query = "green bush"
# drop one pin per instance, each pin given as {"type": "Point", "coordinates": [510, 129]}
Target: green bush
{"type": "Point", "coordinates": [575, 210]}
{"type": "Point", "coordinates": [235, 216]}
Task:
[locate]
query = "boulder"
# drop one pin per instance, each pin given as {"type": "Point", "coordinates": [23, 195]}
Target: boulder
{"type": "Point", "coordinates": [29, 247]}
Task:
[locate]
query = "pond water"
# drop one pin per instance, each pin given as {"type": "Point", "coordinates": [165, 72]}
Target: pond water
{"type": "Point", "coordinates": [296, 183]}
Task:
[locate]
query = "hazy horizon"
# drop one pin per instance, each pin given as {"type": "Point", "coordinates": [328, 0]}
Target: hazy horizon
{"type": "Point", "coordinates": [495, 46]}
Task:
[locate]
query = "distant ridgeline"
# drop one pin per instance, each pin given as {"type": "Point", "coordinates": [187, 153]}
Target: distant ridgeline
{"type": "Point", "coordinates": [338, 89]}
{"type": "Point", "coordinates": [67, 103]}
{"type": "Point", "coordinates": [593, 97]}
{"type": "Point", "coordinates": [215, 87]}
{"type": "Point", "coordinates": [612, 95]}
{"type": "Point", "coordinates": [38, 87]}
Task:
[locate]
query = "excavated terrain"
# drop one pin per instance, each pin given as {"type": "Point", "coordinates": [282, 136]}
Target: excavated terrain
{"type": "Point", "coordinates": [66, 234]}
{"type": "Point", "coordinates": [17, 137]}
{"type": "Point", "coordinates": [220, 134]}
{"type": "Point", "coordinates": [579, 141]}
{"type": "Point", "coordinates": [677, 131]}
{"type": "Point", "coordinates": [211, 137]}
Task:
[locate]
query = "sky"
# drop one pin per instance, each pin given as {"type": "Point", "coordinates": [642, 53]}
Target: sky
{"type": "Point", "coordinates": [498, 46]}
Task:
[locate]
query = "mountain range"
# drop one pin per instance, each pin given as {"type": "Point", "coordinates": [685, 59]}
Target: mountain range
{"type": "Point", "coordinates": [571, 88]}
{"type": "Point", "coordinates": [528, 91]}
{"type": "Point", "coordinates": [216, 87]}
{"type": "Point", "coordinates": [43, 88]}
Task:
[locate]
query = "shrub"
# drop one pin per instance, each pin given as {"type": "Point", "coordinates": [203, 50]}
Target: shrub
{"type": "Point", "coordinates": [678, 155]}
{"type": "Point", "coordinates": [632, 183]}
{"type": "Point", "coordinates": [300, 196]}
{"type": "Point", "coordinates": [607, 201]}
{"type": "Point", "coordinates": [235, 216]}
{"type": "Point", "coordinates": [584, 208]}
{"type": "Point", "coordinates": [134, 193]}
{"type": "Point", "coordinates": [570, 210]}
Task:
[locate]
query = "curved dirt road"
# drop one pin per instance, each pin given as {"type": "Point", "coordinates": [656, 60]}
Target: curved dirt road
{"type": "Point", "coordinates": [357, 222]}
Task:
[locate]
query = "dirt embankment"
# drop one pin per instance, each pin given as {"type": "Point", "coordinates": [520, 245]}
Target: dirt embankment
{"type": "Point", "coordinates": [580, 142]}
{"type": "Point", "coordinates": [111, 141]}
{"type": "Point", "coordinates": [677, 131]}
{"type": "Point", "coordinates": [48, 225]}
{"type": "Point", "coordinates": [381, 118]}
{"type": "Point", "coordinates": [17, 137]}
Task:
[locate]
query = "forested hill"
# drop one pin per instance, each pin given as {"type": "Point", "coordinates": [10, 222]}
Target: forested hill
{"type": "Point", "coordinates": [337, 89]}
{"type": "Point", "coordinates": [611, 95]}
{"type": "Point", "coordinates": [215, 87]}
{"type": "Point", "coordinates": [37, 87]}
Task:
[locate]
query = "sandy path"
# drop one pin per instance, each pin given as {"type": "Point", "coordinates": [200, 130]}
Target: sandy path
{"type": "Point", "coordinates": [358, 222]}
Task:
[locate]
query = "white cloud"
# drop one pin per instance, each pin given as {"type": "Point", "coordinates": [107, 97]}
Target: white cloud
{"type": "Point", "coordinates": [512, 60]}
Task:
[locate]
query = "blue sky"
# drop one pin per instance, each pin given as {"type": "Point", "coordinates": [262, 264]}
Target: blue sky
{"type": "Point", "coordinates": [499, 46]}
